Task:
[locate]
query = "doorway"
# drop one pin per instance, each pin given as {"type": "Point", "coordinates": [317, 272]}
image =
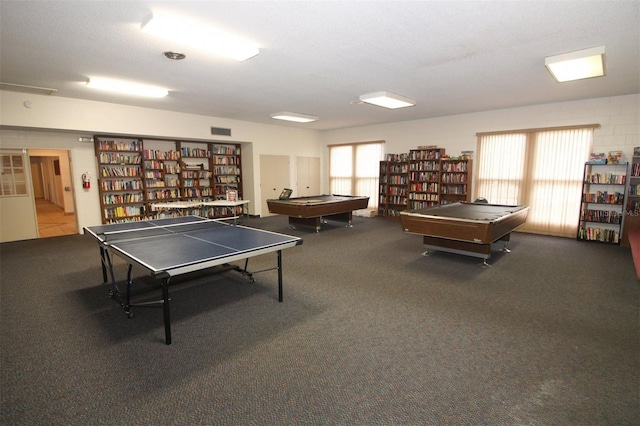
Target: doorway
{"type": "Point", "coordinates": [53, 197]}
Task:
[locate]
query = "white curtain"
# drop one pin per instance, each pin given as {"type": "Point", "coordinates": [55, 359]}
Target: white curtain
{"type": "Point", "coordinates": [354, 170]}
{"type": "Point", "coordinates": [542, 169]}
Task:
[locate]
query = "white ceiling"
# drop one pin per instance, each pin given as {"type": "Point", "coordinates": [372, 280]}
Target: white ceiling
{"type": "Point", "coordinates": [318, 57]}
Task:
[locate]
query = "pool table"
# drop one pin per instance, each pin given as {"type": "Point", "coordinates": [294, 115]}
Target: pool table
{"type": "Point", "coordinates": [313, 211]}
{"type": "Point", "coordinates": [464, 228]}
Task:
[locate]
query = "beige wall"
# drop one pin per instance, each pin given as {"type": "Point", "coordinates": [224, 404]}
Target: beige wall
{"type": "Point", "coordinates": [618, 116]}
{"type": "Point", "coordinates": [56, 123]}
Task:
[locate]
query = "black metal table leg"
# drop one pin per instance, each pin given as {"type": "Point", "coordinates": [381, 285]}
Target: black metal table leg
{"type": "Point", "coordinates": [279, 275]}
{"type": "Point", "coordinates": [165, 308]}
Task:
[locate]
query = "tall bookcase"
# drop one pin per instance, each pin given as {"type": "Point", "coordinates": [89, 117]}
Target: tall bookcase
{"type": "Point", "coordinates": [603, 203]}
{"type": "Point", "coordinates": [136, 173]}
{"type": "Point", "coordinates": [455, 180]}
{"type": "Point", "coordinates": [632, 218]}
{"type": "Point", "coordinates": [393, 184]}
{"type": "Point", "coordinates": [424, 177]}
{"type": "Point", "coordinates": [120, 179]}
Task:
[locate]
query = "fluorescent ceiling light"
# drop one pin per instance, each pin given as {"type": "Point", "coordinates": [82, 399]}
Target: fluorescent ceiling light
{"type": "Point", "coordinates": [127, 88]}
{"type": "Point", "coordinates": [577, 65]}
{"type": "Point", "coordinates": [387, 100]}
{"type": "Point", "coordinates": [294, 116]}
{"type": "Point", "coordinates": [187, 33]}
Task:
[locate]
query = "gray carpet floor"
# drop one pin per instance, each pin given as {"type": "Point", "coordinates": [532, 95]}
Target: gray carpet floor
{"type": "Point", "coordinates": [370, 333]}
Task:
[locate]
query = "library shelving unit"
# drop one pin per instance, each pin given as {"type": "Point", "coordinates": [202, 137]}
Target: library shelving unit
{"type": "Point", "coordinates": [394, 185]}
{"type": "Point", "coordinates": [136, 174]}
{"type": "Point", "coordinates": [226, 169]}
{"type": "Point", "coordinates": [424, 177]}
{"type": "Point", "coordinates": [195, 171]}
{"type": "Point", "coordinates": [632, 218]}
{"type": "Point", "coordinates": [603, 203]}
{"type": "Point", "coordinates": [455, 180]}
{"type": "Point", "coordinates": [120, 178]}
{"type": "Point", "coordinates": [161, 171]}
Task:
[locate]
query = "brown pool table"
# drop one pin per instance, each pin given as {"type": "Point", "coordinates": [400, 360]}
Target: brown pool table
{"type": "Point", "coordinates": [464, 228]}
{"type": "Point", "coordinates": [313, 210]}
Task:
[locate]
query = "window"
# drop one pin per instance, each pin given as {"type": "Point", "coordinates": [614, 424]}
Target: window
{"type": "Point", "coordinates": [541, 168]}
{"type": "Point", "coordinates": [12, 175]}
{"type": "Point", "coordinates": [354, 169]}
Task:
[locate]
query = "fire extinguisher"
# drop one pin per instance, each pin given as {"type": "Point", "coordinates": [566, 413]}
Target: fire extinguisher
{"type": "Point", "coordinates": [86, 180]}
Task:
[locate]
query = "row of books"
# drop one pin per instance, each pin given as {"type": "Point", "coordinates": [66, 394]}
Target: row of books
{"type": "Point", "coordinates": [602, 216]}
{"type": "Point", "coordinates": [393, 199]}
{"type": "Point", "coordinates": [603, 197]}
{"type": "Point", "coordinates": [424, 197]}
{"type": "Point", "coordinates": [121, 185]}
{"type": "Point", "coordinates": [127, 198]}
{"type": "Point", "coordinates": [197, 174]}
{"type": "Point", "coordinates": [424, 187]}
{"type": "Point", "coordinates": [119, 158]}
{"type": "Point", "coordinates": [424, 176]}
{"type": "Point", "coordinates": [113, 145]}
{"type": "Point", "coordinates": [161, 155]}
{"type": "Point", "coordinates": [124, 171]}
{"type": "Point", "coordinates": [226, 170]}
{"type": "Point", "coordinates": [395, 180]}
{"type": "Point", "coordinates": [123, 211]}
{"type": "Point", "coordinates": [599, 234]}
{"type": "Point", "coordinates": [454, 189]}
{"type": "Point", "coordinates": [606, 178]}
{"type": "Point", "coordinates": [166, 194]}
{"type": "Point", "coordinates": [460, 167]}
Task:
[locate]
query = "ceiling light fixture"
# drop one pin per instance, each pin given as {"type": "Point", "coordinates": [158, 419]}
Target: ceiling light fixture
{"type": "Point", "coordinates": [126, 88]}
{"type": "Point", "coordinates": [387, 100]}
{"type": "Point", "coordinates": [187, 33]}
{"type": "Point", "coordinates": [577, 65]}
{"type": "Point", "coordinates": [294, 116]}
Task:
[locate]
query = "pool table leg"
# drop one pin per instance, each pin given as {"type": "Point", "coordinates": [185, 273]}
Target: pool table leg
{"type": "Point", "coordinates": [505, 248]}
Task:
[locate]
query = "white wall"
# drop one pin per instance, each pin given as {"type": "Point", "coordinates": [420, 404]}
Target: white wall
{"type": "Point", "coordinates": [618, 116]}
{"type": "Point", "coordinates": [63, 119]}
{"type": "Point", "coordinates": [51, 115]}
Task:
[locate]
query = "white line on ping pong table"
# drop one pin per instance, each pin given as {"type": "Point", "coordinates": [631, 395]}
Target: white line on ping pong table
{"type": "Point", "coordinates": [169, 228]}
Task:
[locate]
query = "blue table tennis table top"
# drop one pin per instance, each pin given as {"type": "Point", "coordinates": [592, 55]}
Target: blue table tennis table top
{"type": "Point", "coordinates": [184, 244]}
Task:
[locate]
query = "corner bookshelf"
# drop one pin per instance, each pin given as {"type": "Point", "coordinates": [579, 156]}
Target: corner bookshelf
{"type": "Point", "coordinates": [455, 180]}
{"type": "Point", "coordinates": [603, 203]}
{"type": "Point", "coordinates": [393, 184]}
{"type": "Point", "coordinates": [135, 173]}
{"type": "Point", "coordinates": [424, 177]}
{"type": "Point", "coordinates": [632, 208]}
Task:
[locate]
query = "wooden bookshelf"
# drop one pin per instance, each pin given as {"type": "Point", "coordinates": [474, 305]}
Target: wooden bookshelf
{"type": "Point", "coordinates": [393, 184]}
{"type": "Point", "coordinates": [136, 174]}
{"type": "Point", "coordinates": [424, 177]}
{"type": "Point", "coordinates": [455, 180]}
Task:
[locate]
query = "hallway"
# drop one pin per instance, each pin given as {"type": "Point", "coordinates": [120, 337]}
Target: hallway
{"type": "Point", "coordinates": [52, 221]}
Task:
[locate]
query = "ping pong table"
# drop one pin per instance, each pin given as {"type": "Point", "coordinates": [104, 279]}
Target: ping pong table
{"type": "Point", "coordinates": [166, 248]}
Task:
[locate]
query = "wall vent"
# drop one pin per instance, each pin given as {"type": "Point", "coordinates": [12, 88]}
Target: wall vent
{"type": "Point", "coordinates": [220, 131]}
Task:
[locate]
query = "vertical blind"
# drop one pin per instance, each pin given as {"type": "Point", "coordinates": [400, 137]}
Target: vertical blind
{"type": "Point", "coordinates": [540, 168]}
{"type": "Point", "coordinates": [354, 170]}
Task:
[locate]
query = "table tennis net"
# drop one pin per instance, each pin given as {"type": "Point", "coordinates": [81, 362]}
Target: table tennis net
{"type": "Point", "coordinates": [156, 231]}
